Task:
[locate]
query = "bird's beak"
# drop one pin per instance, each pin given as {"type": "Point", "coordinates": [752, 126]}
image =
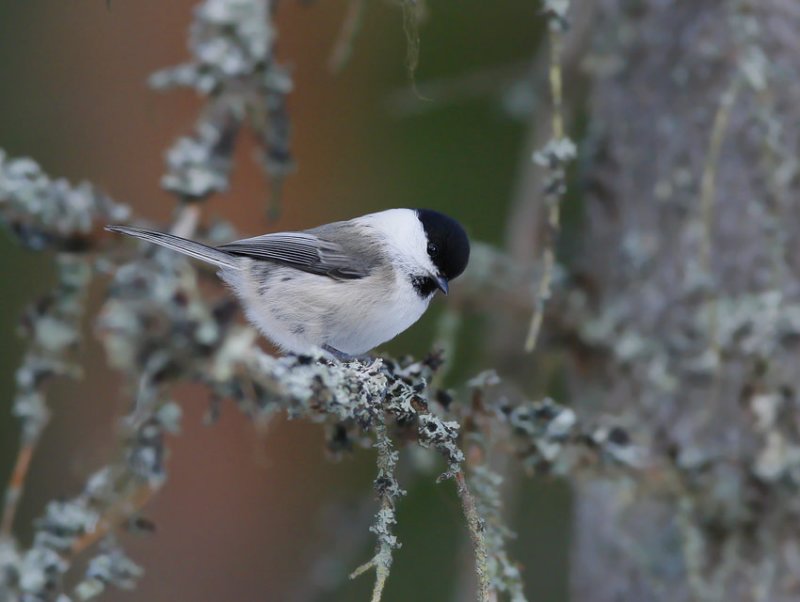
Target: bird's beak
{"type": "Point", "coordinates": [441, 282]}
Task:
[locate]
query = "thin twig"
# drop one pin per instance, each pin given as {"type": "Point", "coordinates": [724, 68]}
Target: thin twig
{"type": "Point", "coordinates": [554, 157]}
{"type": "Point", "coordinates": [476, 527]}
{"type": "Point", "coordinates": [381, 575]}
{"type": "Point", "coordinates": [116, 515]}
{"type": "Point", "coordinates": [343, 48]}
{"type": "Point", "coordinates": [16, 486]}
{"type": "Point", "coordinates": [186, 219]}
{"type": "Point", "coordinates": [480, 437]}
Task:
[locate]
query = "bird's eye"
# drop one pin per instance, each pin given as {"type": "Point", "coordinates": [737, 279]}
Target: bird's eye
{"type": "Point", "coordinates": [433, 249]}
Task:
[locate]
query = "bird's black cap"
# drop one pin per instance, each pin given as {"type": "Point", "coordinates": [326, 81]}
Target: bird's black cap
{"type": "Point", "coordinates": [448, 245]}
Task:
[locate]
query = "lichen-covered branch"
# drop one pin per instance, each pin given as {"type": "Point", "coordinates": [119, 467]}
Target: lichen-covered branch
{"type": "Point", "coordinates": [233, 64]}
{"type": "Point", "coordinates": [53, 328]}
{"type": "Point", "coordinates": [50, 214]}
{"type": "Point", "coordinates": [388, 491]}
{"type": "Point", "coordinates": [111, 566]}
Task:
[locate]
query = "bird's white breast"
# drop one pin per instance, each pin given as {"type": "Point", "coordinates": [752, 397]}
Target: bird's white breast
{"type": "Point", "coordinates": [300, 311]}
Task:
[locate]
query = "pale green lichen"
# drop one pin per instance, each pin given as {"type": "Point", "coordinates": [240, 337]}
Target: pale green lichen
{"type": "Point", "coordinates": [44, 213]}
{"type": "Point", "coordinates": [388, 491]}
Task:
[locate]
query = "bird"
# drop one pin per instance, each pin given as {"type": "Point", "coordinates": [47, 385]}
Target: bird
{"type": "Point", "coordinates": [345, 287]}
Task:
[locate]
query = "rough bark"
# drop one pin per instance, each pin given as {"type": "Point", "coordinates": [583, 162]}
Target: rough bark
{"type": "Point", "coordinates": [686, 318]}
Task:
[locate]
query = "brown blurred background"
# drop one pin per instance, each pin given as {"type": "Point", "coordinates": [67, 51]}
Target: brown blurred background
{"type": "Point", "coordinates": [252, 516]}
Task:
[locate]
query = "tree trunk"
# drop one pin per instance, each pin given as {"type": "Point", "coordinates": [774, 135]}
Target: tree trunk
{"type": "Point", "coordinates": [687, 318]}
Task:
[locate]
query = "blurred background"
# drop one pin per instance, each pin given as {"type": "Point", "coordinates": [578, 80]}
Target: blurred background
{"type": "Point", "coordinates": [260, 514]}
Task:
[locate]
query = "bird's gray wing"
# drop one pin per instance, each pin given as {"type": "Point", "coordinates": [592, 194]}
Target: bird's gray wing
{"type": "Point", "coordinates": [303, 251]}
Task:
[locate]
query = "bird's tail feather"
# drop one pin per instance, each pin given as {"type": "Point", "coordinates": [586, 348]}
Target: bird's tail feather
{"type": "Point", "coordinates": [182, 245]}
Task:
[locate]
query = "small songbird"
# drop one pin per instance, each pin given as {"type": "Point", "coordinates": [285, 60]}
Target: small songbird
{"type": "Point", "coordinates": [344, 287]}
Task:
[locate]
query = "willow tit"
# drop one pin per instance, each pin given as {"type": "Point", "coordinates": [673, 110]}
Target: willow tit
{"type": "Point", "coordinates": [344, 287]}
